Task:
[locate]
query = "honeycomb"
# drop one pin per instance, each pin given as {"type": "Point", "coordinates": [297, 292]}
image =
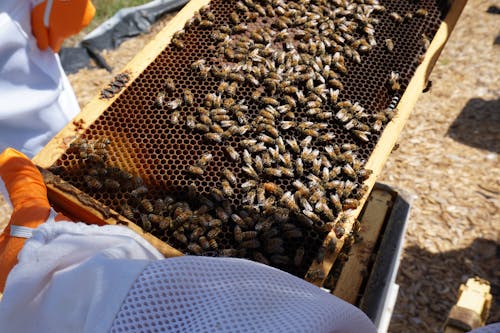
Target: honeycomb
{"type": "Point", "coordinates": [156, 136]}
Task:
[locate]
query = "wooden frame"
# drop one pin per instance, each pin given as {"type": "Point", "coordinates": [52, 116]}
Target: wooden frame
{"type": "Point", "coordinates": [64, 195]}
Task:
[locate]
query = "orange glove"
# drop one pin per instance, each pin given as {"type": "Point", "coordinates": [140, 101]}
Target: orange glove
{"type": "Point", "coordinates": [28, 195]}
{"type": "Point", "coordinates": [54, 20]}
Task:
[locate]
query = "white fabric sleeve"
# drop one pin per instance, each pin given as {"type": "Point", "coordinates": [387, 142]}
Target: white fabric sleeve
{"type": "Point", "coordinates": [72, 277]}
{"type": "Point", "coordinates": [78, 278]}
{"type": "Point", "coordinates": [37, 99]}
{"type": "Point", "coordinates": [202, 294]}
{"type": "Point", "coordinates": [491, 328]}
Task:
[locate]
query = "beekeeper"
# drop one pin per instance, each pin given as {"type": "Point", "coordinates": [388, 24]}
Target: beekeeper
{"type": "Point", "coordinates": [36, 99]}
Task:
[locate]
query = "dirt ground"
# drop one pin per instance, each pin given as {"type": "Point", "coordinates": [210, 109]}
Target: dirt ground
{"type": "Point", "coordinates": [447, 159]}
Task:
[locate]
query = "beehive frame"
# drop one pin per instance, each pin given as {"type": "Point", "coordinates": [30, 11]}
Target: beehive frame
{"type": "Point", "coordinates": [57, 147]}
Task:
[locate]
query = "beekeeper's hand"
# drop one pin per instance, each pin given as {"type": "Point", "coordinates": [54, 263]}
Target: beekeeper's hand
{"type": "Point", "coordinates": [54, 20]}
{"type": "Point", "coordinates": [28, 195]}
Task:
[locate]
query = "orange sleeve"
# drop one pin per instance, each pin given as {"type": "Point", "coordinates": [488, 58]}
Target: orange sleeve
{"type": "Point", "coordinates": [66, 18]}
{"type": "Point", "coordinates": [28, 195]}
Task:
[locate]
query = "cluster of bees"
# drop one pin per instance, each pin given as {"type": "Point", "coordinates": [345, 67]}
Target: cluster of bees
{"type": "Point", "coordinates": [93, 156]}
{"type": "Point", "coordinates": [286, 178]}
{"type": "Point", "coordinates": [118, 83]}
{"type": "Point", "coordinates": [294, 56]}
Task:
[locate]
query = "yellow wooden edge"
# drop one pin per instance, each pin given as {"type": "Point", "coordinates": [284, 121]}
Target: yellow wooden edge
{"type": "Point", "coordinates": [58, 145]}
{"type": "Point", "coordinates": [350, 279]}
{"type": "Point", "coordinates": [68, 199]}
{"type": "Point", "coordinates": [393, 129]}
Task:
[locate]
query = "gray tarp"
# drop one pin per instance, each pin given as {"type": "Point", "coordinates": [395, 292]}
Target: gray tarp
{"type": "Point", "coordinates": [125, 24]}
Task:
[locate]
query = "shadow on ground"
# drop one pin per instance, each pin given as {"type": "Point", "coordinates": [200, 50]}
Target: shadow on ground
{"type": "Point", "coordinates": [430, 281]}
{"type": "Point", "coordinates": [478, 125]}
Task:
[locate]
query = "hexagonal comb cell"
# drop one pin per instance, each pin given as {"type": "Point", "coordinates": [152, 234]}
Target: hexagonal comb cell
{"type": "Point", "coordinates": [248, 134]}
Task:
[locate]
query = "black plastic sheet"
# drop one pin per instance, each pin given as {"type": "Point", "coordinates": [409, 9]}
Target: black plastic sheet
{"type": "Point", "coordinates": [125, 24]}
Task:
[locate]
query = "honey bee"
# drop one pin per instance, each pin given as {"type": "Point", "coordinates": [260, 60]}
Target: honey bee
{"type": "Point", "coordinates": [315, 274]}
{"type": "Point", "coordinates": [299, 167]}
{"type": "Point", "coordinates": [232, 88]}
{"type": "Point", "coordinates": [389, 44]}
{"type": "Point", "coordinates": [250, 171]}
{"type": "Point", "coordinates": [213, 244]}
{"type": "Point", "coordinates": [188, 97]}
{"type": "Point", "coordinates": [101, 144]}
{"type": "Point", "coordinates": [273, 188]}
{"type": "Point", "coordinates": [205, 159]}
{"type": "Point", "coordinates": [238, 234]}
{"type": "Point", "coordinates": [216, 137]}
{"type": "Point", "coordinates": [141, 190]}
{"type": "Point", "coordinates": [250, 244]}
{"type": "Point", "coordinates": [97, 171]}
{"type": "Point", "coordinates": [196, 65]}
{"type": "Point", "coordinates": [178, 44]}
{"type": "Point", "coordinates": [160, 206]}
{"type": "Point", "coordinates": [222, 87]}
{"type": "Point", "coordinates": [146, 224]}
{"type": "Point", "coordinates": [92, 182]}
{"type": "Point", "coordinates": [286, 172]}
{"type": "Point", "coordinates": [259, 257]}
{"type": "Point", "coordinates": [227, 188]}
{"type": "Point", "coordinates": [240, 78]}
{"type": "Point", "coordinates": [324, 115]}
{"type": "Point", "coordinates": [179, 236]}
{"type": "Point", "coordinates": [275, 172]}
{"type": "Point", "coordinates": [362, 135]}
{"type": "Point", "coordinates": [169, 85]}
{"type": "Point", "coordinates": [279, 259]}
{"type": "Point", "coordinates": [350, 204]}
{"type": "Point", "coordinates": [288, 201]}
{"type": "Point", "coordinates": [339, 231]}
{"type": "Point", "coordinates": [234, 17]}
{"type": "Point", "coordinates": [256, 94]}
{"type": "Point", "coordinates": [214, 232]}
{"type": "Point", "coordinates": [174, 104]}
{"type": "Point", "coordinates": [195, 248]}
{"type": "Point", "coordinates": [216, 128]}
{"type": "Point", "coordinates": [320, 255]}
{"type": "Point", "coordinates": [229, 252]}
{"type": "Point", "coordinates": [210, 16]}
{"type": "Point", "coordinates": [160, 99]}
{"type": "Point", "coordinates": [396, 17]}
{"type": "Point", "coordinates": [127, 212]}
{"type": "Point", "coordinates": [175, 118]}
{"type": "Point", "coordinates": [299, 256]}
{"type": "Point", "coordinates": [240, 28]}
{"type": "Point", "coordinates": [229, 176]}
{"type": "Point", "coordinates": [147, 205]}
{"type": "Point", "coordinates": [154, 218]}
{"type": "Point", "coordinates": [261, 195]}
{"type": "Point", "coordinates": [269, 101]}
{"type": "Point", "coordinates": [165, 223]}
{"type": "Point", "coordinates": [111, 184]}
{"type": "Point", "coordinates": [293, 233]}
{"type": "Point", "coordinates": [421, 12]}
{"type": "Point", "coordinates": [394, 81]}
{"type": "Point", "coordinates": [425, 41]}
{"type": "Point", "coordinates": [233, 154]}
{"type": "Point", "coordinates": [205, 24]}
{"type": "Point", "coordinates": [203, 242]}
{"type": "Point", "coordinates": [195, 170]}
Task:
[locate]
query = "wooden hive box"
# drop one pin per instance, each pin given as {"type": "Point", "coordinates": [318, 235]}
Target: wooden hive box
{"type": "Point", "coordinates": [145, 140]}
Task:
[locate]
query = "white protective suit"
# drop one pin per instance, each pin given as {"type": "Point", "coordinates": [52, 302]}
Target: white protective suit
{"type": "Point", "coordinates": [36, 99]}
{"type": "Point", "coordinates": [72, 277]}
